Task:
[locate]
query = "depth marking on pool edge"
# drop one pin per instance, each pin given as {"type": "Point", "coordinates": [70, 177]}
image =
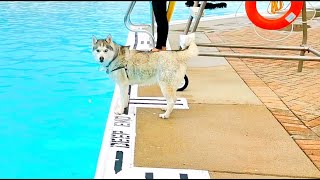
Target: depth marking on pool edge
{"type": "Point", "coordinates": [117, 151]}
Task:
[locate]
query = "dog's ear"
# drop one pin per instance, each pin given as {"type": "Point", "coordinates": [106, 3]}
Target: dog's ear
{"type": "Point", "coordinates": [109, 38]}
{"type": "Point", "coordinates": [94, 40]}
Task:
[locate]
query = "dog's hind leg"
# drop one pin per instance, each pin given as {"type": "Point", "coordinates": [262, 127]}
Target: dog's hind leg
{"type": "Point", "coordinates": [169, 92]}
{"type": "Point", "coordinates": [124, 98]}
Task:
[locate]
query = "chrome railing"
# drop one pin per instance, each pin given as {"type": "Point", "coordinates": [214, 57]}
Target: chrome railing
{"type": "Point", "coordinates": [139, 28]}
{"type": "Point", "coordinates": [197, 18]}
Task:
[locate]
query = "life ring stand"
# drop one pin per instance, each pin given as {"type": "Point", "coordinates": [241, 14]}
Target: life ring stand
{"type": "Point", "coordinates": [273, 24]}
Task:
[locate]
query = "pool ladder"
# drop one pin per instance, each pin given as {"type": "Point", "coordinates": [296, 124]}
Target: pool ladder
{"type": "Point", "coordinates": [140, 28]}
{"type": "Point", "coordinates": [195, 11]}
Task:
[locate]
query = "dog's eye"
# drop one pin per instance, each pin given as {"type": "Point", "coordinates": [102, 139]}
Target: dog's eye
{"type": "Point", "coordinates": [106, 50]}
{"type": "Point", "coordinates": [98, 50]}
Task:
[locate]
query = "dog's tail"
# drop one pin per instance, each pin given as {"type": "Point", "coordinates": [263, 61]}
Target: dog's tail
{"type": "Point", "coordinates": [188, 45]}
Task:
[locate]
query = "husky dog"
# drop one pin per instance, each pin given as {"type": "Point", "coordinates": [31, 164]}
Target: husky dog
{"type": "Point", "coordinates": [128, 67]}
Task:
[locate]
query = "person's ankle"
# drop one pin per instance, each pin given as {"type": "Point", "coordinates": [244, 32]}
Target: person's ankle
{"type": "Point", "coordinates": [164, 48]}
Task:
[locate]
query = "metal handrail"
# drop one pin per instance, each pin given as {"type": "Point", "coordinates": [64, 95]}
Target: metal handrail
{"type": "Point", "coordinates": [197, 18]}
{"type": "Point", "coordinates": [136, 28]}
{"type": "Point", "coordinates": [129, 18]}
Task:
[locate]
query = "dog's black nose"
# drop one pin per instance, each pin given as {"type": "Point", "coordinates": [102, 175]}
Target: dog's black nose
{"type": "Point", "coordinates": [101, 59]}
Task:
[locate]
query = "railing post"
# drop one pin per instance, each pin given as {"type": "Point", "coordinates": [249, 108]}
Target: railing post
{"type": "Point", "coordinates": [135, 28]}
{"type": "Point", "coordinates": [152, 19]}
{"type": "Point", "coordinates": [196, 23]}
{"type": "Point", "coordinates": [304, 31]}
{"type": "Point", "coordinates": [186, 30]}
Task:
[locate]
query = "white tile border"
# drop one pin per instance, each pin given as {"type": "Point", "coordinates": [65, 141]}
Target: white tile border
{"type": "Point", "coordinates": [119, 138]}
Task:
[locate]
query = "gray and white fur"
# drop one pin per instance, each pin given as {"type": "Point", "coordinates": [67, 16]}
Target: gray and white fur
{"type": "Point", "coordinates": [128, 67]}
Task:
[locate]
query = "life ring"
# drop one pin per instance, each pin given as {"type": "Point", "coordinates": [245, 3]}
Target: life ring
{"type": "Point", "coordinates": [170, 10]}
{"type": "Point", "coordinates": [273, 24]}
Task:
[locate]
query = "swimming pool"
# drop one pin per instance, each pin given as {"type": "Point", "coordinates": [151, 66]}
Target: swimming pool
{"type": "Point", "coordinates": [54, 100]}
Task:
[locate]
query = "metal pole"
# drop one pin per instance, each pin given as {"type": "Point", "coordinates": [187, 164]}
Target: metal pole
{"type": "Point", "coordinates": [304, 31]}
{"type": "Point", "coordinates": [127, 18]}
{"type": "Point", "coordinates": [297, 48]}
{"type": "Point", "coordinates": [186, 30]}
{"type": "Point", "coordinates": [261, 56]}
{"type": "Point", "coordinates": [131, 27]}
{"type": "Point", "coordinates": [152, 19]}
{"type": "Point", "coordinates": [195, 26]}
{"type": "Point", "coordinates": [315, 52]}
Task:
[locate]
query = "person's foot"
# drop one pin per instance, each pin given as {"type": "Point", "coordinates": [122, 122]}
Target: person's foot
{"type": "Point", "coordinates": [157, 50]}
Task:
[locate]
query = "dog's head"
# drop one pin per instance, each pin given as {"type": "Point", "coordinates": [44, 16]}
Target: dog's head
{"type": "Point", "coordinates": [103, 50]}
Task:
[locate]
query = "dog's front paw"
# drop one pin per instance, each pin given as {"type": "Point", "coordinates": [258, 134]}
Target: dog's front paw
{"type": "Point", "coordinates": [164, 109]}
{"type": "Point", "coordinates": [163, 116]}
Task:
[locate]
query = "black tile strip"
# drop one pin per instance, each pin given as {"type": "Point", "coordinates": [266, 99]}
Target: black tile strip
{"type": "Point", "coordinates": [126, 110]}
{"type": "Point", "coordinates": [118, 162]}
{"type": "Point", "coordinates": [149, 176]}
{"type": "Point", "coordinates": [183, 176]}
{"type": "Point", "coordinates": [129, 91]}
{"type": "Point", "coordinates": [136, 40]}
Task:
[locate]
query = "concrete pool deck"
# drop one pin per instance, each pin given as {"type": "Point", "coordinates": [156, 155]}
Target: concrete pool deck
{"type": "Point", "coordinates": [248, 118]}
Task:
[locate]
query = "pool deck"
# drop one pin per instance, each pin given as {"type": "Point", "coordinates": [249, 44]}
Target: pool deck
{"type": "Point", "coordinates": [248, 118]}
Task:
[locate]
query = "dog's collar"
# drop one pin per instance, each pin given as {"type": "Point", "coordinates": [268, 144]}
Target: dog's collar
{"type": "Point", "coordinates": [117, 68]}
{"type": "Point", "coordinates": [114, 58]}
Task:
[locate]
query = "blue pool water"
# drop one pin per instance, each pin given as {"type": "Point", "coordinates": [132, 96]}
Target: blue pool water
{"type": "Point", "coordinates": [48, 127]}
{"type": "Point", "coordinates": [54, 101]}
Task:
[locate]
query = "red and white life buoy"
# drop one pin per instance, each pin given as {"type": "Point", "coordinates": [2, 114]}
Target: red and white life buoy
{"type": "Point", "coordinates": [273, 24]}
